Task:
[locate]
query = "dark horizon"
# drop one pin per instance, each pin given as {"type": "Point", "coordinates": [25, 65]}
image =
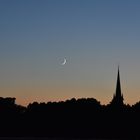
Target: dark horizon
{"type": "Point", "coordinates": [81, 118]}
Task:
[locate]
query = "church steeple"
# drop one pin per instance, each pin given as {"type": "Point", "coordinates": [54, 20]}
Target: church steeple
{"type": "Point", "coordinates": [118, 97]}
{"type": "Point", "coordinates": [118, 86]}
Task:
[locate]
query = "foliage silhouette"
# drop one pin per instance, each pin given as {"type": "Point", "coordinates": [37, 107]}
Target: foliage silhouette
{"type": "Point", "coordinates": [75, 118]}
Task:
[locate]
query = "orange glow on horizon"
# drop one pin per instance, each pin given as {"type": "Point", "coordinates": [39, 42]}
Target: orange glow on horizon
{"type": "Point", "coordinates": [24, 96]}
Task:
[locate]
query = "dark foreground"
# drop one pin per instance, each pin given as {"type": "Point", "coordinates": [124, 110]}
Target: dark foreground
{"type": "Point", "coordinates": [72, 119]}
{"type": "Point", "coordinates": [39, 138]}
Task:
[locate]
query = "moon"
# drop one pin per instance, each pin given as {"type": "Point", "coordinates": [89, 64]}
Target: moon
{"type": "Point", "coordinates": [64, 62]}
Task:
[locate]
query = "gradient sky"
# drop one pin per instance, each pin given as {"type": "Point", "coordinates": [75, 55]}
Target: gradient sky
{"type": "Point", "coordinates": [93, 35]}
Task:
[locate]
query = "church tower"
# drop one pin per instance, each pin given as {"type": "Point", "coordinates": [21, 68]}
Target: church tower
{"type": "Point", "coordinates": [118, 97]}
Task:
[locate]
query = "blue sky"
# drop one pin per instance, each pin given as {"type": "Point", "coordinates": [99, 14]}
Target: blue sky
{"type": "Point", "coordinates": [94, 37]}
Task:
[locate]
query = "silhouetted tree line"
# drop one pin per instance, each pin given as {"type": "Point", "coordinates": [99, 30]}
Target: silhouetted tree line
{"type": "Point", "coordinates": [81, 118]}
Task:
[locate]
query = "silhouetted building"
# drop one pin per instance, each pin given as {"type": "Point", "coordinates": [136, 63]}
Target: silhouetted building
{"type": "Point", "coordinates": [118, 96]}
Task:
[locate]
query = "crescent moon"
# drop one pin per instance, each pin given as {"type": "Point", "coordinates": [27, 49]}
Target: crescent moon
{"type": "Point", "coordinates": [64, 62]}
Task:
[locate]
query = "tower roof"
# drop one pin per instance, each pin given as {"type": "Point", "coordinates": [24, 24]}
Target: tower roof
{"type": "Point", "coordinates": [118, 97]}
{"type": "Point", "coordinates": [118, 86]}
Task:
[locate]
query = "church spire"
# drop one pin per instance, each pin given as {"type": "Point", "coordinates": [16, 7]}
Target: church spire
{"type": "Point", "coordinates": [118, 86]}
{"type": "Point", "coordinates": [118, 97]}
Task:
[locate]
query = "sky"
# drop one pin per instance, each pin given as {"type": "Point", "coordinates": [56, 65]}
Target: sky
{"type": "Point", "coordinates": [95, 36]}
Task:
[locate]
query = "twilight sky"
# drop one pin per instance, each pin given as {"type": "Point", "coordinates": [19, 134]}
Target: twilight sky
{"type": "Point", "coordinates": [93, 35]}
